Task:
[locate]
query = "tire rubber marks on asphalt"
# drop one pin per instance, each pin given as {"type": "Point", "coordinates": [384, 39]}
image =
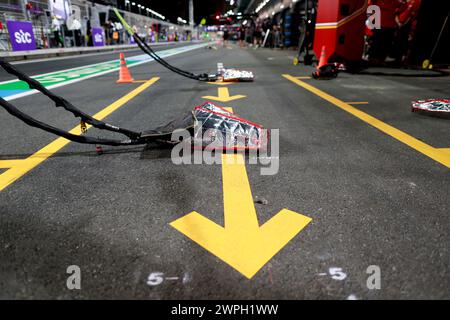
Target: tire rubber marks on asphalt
{"type": "Point", "coordinates": [434, 153]}
{"type": "Point", "coordinates": [18, 168]}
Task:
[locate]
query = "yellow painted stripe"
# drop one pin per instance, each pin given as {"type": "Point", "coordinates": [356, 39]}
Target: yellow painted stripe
{"type": "Point", "coordinates": [355, 102]}
{"type": "Point", "coordinates": [9, 163]}
{"type": "Point", "coordinates": [445, 150]}
{"type": "Point", "coordinates": [434, 153]}
{"type": "Point", "coordinates": [305, 78]}
{"type": "Point", "coordinates": [220, 83]}
{"type": "Point", "coordinates": [229, 109]}
{"type": "Point", "coordinates": [326, 27]}
{"type": "Point", "coordinates": [241, 242]}
{"type": "Point", "coordinates": [25, 165]}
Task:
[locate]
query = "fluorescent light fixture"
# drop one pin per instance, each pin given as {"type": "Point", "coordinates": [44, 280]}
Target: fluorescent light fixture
{"type": "Point", "coordinates": [261, 5]}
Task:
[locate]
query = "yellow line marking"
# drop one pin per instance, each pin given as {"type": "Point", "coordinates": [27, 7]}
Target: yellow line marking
{"type": "Point", "coordinates": [221, 83]}
{"type": "Point", "coordinates": [10, 163]}
{"type": "Point", "coordinates": [25, 165]}
{"type": "Point", "coordinates": [224, 96]}
{"type": "Point", "coordinates": [242, 242]}
{"type": "Point", "coordinates": [445, 150]}
{"type": "Point", "coordinates": [356, 102]}
{"type": "Point", "coordinates": [434, 153]}
{"type": "Point", "coordinates": [303, 78]}
{"type": "Point", "coordinates": [140, 81]}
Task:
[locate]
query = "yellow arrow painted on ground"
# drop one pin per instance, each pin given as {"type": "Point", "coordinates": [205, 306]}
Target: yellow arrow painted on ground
{"type": "Point", "coordinates": [242, 243]}
{"type": "Point", "coordinates": [224, 96]}
{"type": "Point", "coordinates": [217, 83]}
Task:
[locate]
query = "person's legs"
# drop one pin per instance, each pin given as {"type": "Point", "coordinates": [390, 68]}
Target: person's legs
{"type": "Point", "coordinates": [400, 44]}
{"type": "Point", "coordinates": [58, 39]}
{"type": "Point", "coordinates": [55, 41]}
{"type": "Point", "coordinates": [381, 42]}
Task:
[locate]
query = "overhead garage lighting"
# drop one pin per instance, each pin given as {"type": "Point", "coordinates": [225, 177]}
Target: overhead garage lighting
{"type": "Point", "coordinates": [156, 14]}
{"type": "Point", "coordinates": [261, 5]}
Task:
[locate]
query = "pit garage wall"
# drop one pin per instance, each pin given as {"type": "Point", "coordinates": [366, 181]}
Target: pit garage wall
{"type": "Point", "coordinates": [340, 25]}
{"type": "Point", "coordinates": [342, 31]}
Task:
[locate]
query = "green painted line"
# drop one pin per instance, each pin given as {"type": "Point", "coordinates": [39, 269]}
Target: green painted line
{"type": "Point", "coordinates": [15, 89]}
{"type": "Point", "coordinates": [63, 76]}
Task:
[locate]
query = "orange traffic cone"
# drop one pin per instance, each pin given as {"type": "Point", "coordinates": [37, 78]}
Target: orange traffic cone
{"type": "Point", "coordinates": [323, 58]}
{"type": "Point", "coordinates": [124, 73]}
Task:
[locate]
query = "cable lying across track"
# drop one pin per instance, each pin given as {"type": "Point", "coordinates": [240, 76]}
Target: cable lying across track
{"type": "Point", "coordinates": [133, 137]}
{"type": "Point", "coordinates": [146, 48]}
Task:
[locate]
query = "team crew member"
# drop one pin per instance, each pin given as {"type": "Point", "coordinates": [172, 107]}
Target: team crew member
{"type": "Point", "coordinates": [381, 39]}
{"type": "Point", "coordinates": [406, 20]}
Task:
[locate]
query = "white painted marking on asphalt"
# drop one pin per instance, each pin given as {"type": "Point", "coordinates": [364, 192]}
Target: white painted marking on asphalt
{"type": "Point", "coordinates": [187, 278]}
{"type": "Point", "coordinates": [337, 273]}
{"type": "Point", "coordinates": [117, 50]}
{"type": "Point", "coordinates": [155, 279]}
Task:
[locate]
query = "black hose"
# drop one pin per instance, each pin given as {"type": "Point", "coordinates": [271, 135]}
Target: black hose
{"type": "Point", "coordinates": [133, 137]}
{"type": "Point", "coordinates": [146, 48]}
{"type": "Point", "coordinates": [61, 102]}
{"type": "Point", "coordinates": [59, 132]}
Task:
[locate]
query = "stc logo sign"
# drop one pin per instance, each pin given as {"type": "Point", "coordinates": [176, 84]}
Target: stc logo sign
{"type": "Point", "coordinates": [98, 38]}
{"type": "Point", "coordinates": [97, 34]}
{"type": "Point", "coordinates": [21, 35]}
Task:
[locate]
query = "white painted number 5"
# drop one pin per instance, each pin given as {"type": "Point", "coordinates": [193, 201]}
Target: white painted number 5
{"type": "Point", "coordinates": [337, 273]}
{"type": "Point", "coordinates": [155, 278]}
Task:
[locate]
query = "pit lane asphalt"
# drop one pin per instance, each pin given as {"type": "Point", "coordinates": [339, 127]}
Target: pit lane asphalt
{"type": "Point", "coordinates": [373, 200]}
